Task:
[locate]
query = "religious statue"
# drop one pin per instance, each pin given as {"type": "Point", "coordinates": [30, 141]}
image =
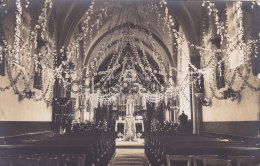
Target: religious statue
{"type": "Point", "coordinates": [130, 107]}
{"type": "Point", "coordinates": [130, 130]}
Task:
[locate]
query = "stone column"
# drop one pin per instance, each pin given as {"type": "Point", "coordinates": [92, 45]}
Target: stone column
{"type": "Point", "coordinates": [197, 119]}
{"type": "Point", "coordinates": [194, 119]}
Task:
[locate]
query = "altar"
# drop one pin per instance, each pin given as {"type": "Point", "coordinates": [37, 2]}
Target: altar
{"type": "Point", "coordinates": [129, 121]}
{"type": "Point", "coordinates": [138, 121]}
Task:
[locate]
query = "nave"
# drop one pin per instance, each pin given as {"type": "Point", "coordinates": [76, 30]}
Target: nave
{"type": "Point", "coordinates": [129, 82]}
{"type": "Point", "coordinates": [94, 148]}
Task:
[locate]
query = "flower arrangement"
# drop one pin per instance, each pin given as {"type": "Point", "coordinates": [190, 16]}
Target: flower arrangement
{"type": "Point", "coordinates": [139, 135]}
{"type": "Point", "coordinates": [163, 127]}
{"type": "Point", "coordinates": [88, 127]}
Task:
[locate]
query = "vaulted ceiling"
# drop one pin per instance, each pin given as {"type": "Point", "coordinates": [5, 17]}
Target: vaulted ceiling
{"type": "Point", "coordinates": [144, 19]}
{"type": "Point", "coordinates": [121, 14]}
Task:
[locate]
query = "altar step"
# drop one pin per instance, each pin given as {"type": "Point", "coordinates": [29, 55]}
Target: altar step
{"type": "Point", "coordinates": [138, 143]}
{"type": "Point", "coordinates": [129, 157]}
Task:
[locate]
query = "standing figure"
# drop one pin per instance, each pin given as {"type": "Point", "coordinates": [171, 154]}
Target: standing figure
{"type": "Point", "coordinates": [130, 129]}
{"type": "Point", "coordinates": [129, 107]}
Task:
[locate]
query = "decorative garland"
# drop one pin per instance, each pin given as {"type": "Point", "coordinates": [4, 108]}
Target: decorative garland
{"type": "Point", "coordinates": [164, 19]}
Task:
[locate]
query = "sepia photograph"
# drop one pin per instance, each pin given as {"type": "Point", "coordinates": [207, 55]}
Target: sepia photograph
{"type": "Point", "coordinates": [129, 83]}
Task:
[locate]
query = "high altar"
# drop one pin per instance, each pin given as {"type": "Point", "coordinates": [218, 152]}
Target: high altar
{"type": "Point", "coordinates": [129, 118]}
{"type": "Point", "coordinates": [130, 106]}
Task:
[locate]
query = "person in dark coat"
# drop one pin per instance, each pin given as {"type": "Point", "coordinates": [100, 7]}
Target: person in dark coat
{"type": "Point", "coordinates": [183, 121]}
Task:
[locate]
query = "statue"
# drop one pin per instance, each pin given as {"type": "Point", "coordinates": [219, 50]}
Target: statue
{"type": "Point", "coordinates": [129, 107]}
{"type": "Point", "coordinates": [130, 130]}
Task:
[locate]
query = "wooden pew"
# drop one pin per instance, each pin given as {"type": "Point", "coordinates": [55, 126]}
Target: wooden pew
{"type": "Point", "coordinates": [184, 144]}
{"type": "Point", "coordinates": [216, 162]}
{"type": "Point", "coordinates": [244, 160]}
{"type": "Point", "coordinates": [72, 149]}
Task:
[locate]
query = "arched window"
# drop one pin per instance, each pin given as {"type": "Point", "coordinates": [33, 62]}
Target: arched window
{"type": "Point", "coordinates": [38, 77]}
{"type": "Point", "coordinates": [220, 75]}
{"type": "Point", "coordinates": [216, 43]}
{"type": "Point", "coordinates": [235, 30]}
{"type": "Point", "coordinates": [41, 48]}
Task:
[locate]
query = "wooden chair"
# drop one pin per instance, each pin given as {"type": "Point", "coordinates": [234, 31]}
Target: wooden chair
{"type": "Point", "coordinates": [170, 158]}
{"type": "Point", "coordinates": [244, 160]}
{"type": "Point", "coordinates": [198, 159]}
{"type": "Point", "coordinates": [216, 162]}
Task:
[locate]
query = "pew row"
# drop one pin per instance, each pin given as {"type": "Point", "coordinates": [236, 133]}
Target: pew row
{"type": "Point", "coordinates": [187, 148]}
{"type": "Point", "coordinates": [77, 149]}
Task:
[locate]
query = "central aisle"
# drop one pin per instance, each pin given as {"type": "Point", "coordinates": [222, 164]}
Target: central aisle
{"type": "Point", "coordinates": [130, 157]}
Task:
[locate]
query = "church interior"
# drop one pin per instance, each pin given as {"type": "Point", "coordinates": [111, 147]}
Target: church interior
{"type": "Point", "coordinates": [129, 82]}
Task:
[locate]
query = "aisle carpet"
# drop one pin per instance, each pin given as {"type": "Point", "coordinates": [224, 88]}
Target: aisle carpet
{"type": "Point", "coordinates": [129, 157]}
